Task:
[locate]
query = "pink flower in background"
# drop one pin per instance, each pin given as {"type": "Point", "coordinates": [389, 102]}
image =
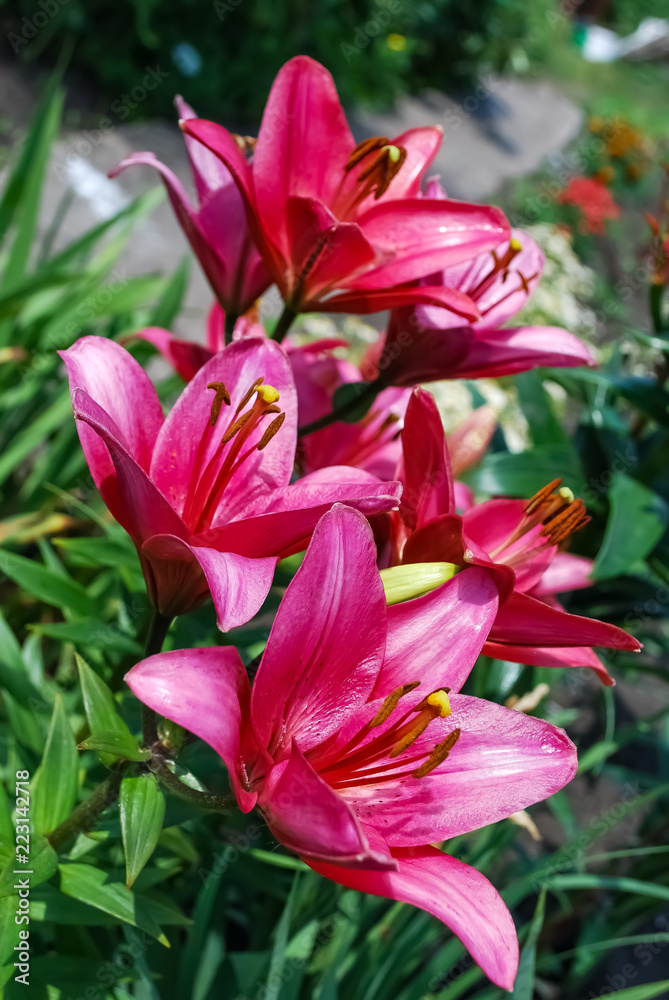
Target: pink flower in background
{"type": "Point", "coordinates": [341, 227]}
{"type": "Point", "coordinates": [205, 493]}
{"type": "Point", "coordinates": [217, 230]}
{"type": "Point", "coordinates": [517, 540]}
{"type": "Point", "coordinates": [354, 741]}
{"type": "Point", "coordinates": [425, 343]}
{"type": "Point", "coordinates": [594, 201]}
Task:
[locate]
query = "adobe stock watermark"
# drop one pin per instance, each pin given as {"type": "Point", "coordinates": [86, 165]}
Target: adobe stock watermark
{"type": "Point", "coordinates": [31, 26]}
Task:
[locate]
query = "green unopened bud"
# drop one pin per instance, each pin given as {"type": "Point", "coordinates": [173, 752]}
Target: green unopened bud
{"type": "Point", "coordinates": [402, 583]}
{"type": "Point", "coordinates": [171, 736]}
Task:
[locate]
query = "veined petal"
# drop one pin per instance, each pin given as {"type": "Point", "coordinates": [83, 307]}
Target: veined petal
{"type": "Point", "coordinates": [289, 515]}
{"type": "Point", "coordinates": [207, 692]}
{"type": "Point", "coordinates": [185, 356]}
{"type": "Point", "coordinates": [370, 300]}
{"type": "Point", "coordinates": [422, 236]}
{"type": "Point", "coordinates": [176, 450]}
{"type": "Point", "coordinates": [456, 894]}
{"type": "Point", "coordinates": [121, 387]}
{"type": "Point", "coordinates": [428, 482]}
{"type": "Point", "coordinates": [435, 639]}
{"type": "Point", "coordinates": [303, 144]}
{"type": "Point", "coordinates": [133, 499]}
{"type": "Point", "coordinates": [519, 349]}
{"type": "Point", "coordinates": [185, 574]}
{"type": "Point", "coordinates": [522, 620]}
{"type": "Point", "coordinates": [502, 762]}
{"type": "Point", "coordinates": [550, 656]}
{"type": "Point", "coordinates": [209, 172]}
{"type": "Point", "coordinates": [308, 817]}
{"type": "Point", "coordinates": [326, 645]}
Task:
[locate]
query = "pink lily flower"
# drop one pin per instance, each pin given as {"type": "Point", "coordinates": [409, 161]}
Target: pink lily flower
{"type": "Point", "coordinates": [205, 493]}
{"type": "Point", "coordinates": [425, 343]}
{"type": "Point", "coordinates": [355, 743]}
{"type": "Point", "coordinates": [340, 226]}
{"type": "Point", "coordinates": [217, 230]}
{"type": "Point", "coordinates": [517, 540]}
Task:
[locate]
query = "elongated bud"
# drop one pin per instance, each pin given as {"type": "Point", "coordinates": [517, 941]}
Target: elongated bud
{"type": "Point", "coordinates": [402, 583]}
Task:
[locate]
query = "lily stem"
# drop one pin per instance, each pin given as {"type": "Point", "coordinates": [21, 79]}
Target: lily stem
{"type": "Point", "coordinates": [230, 321]}
{"type": "Point", "coordinates": [154, 644]}
{"type": "Point", "coordinates": [206, 800]}
{"type": "Point", "coordinates": [87, 813]}
{"type": "Point", "coordinates": [284, 324]}
{"type": "Point", "coordinates": [341, 412]}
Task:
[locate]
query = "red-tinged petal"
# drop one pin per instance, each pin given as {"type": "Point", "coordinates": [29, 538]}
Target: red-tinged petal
{"type": "Point", "coordinates": [133, 499]}
{"type": "Point", "coordinates": [376, 299]}
{"type": "Point", "coordinates": [326, 645]}
{"type": "Point", "coordinates": [444, 540]}
{"type": "Point", "coordinates": [456, 894]}
{"type": "Point", "coordinates": [428, 481]}
{"type": "Point", "coordinates": [421, 236]}
{"type": "Point", "coordinates": [308, 817]}
{"type": "Point", "coordinates": [494, 353]}
{"type": "Point", "coordinates": [467, 444]}
{"type": "Point", "coordinates": [323, 251]}
{"type": "Point", "coordinates": [464, 496]}
{"type": "Point", "coordinates": [209, 172]}
{"type": "Point", "coordinates": [216, 328]}
{"type": "Point", "coordinates": [522, 620]}
{"type": "Point", "coordinates": [291, 514]}
{"type": "Point", "coordinates": [121, 387]}
{"type": "Point", "coordinates": [435, 639]}
{"type": "Point", "coordinates": [185, 356]}
{"type": "Point", "coordinates": [303, 144]}
{"type": "Point", "coordinates": [207, 692]}
{"type": "Point", "coordinates": [175, 453]}
{"type": "Point", "coordinates": [502, 762]}
{"type": "Point", "coordinates": [184, 575]}
{"type": "Point", "coordinates": [421, 145]}
{"type": "Point", "coordinates": [553, 656]}
{"type": "Point", "coordinates": [566, 572]}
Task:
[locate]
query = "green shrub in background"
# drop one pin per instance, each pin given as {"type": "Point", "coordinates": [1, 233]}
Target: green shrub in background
{"type": "Point", "coordinates": [224, 54]}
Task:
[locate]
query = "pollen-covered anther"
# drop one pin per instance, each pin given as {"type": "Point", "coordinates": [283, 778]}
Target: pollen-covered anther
{"type": "Point", "coordinates": [438, 755]}
{"type": "Point", "coordinates": [541, 496]}
{"type": "Point", "coordinates": [222, 396]}
{"type": "Point", "coordinates": [249, 392]}
{"type": "Point", "coordinates": [565, 522]}
{"type": "Point", "coordinates": [390, 704]}
{"type": "Point", "coordinates": [385, 163]}
{"type": "Point", "coordinates": [435, 706]}
{"type": "Point", "coordinates": [247, 143]}
{"type": "Point", "coordinates": [271, 430]}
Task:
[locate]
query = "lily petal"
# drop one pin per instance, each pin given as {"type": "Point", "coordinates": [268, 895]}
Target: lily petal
{"type": "Point", "coordinates": [207, 692]}
{"type": "Point", "coordinates": [428, 482]}
{"type": "Point", "coordinates": [550, 656]}
{"type": "Point", "coordinates": [522, 620]}
{"type": "Point", "coordinates": [456, 894]}
{"type": "Point", "coordinates": [185, 356]}
{"type": "Point", "coordinates": [326, 645]}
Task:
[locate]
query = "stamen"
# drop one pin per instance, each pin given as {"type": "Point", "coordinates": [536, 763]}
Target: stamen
{"type": "Point", "coordinates": [438, 755]}
{"type": "Point", "coordinates": [271, 430]}
{"type": "Point", "coordinates": [249, 393]}
{"type": "Point", "coordinates": [541, 496]}
{"type": "Point", "coordinates": [268, 394]}
{"type": "Point", "coordinates": [439, 700]}
{"type": "Point", "coordinates": [363, 148]}
{"type": "Point", "coordinates": [381, 169]}
{"type": "Point", "coordinates": [222, 396]}
{"type": "Point", "coordinates": [390, 704]}
{"type": "Point", "coordinates": [236, 426]}
{"type": "Point", "coordinates": [424, 720]}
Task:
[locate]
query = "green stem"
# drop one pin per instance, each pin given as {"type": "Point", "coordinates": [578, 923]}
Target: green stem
{"type": "Point", "coordinates": [86, 815]}
{"type": "Point", "coordinates": [206, 800]}
{"type": "Point", "coordinates": [285, 322]}
{"type": "Point", "coordinates": [230, 320]}
{"type": "Point", "coordinates": [341, 412]}
{"type": "Point", "coordinates": [154, 644]}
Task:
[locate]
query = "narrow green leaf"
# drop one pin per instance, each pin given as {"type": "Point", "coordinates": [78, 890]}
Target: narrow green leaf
{"type": "Point", "coordinates": [142, 806]}
{"type": "Point", "coordinates": [101, 710]}
{"type": "Point", "coordinates": [647, 992]}
{"type": "Point", "coordinates": [523, 988]}
{"type": "Point", "coordinates": [522, 474]}
{"type": "Point", "coordinates": [272, 990]}
{"type": "Point", "coordinates": [617, 883]}
{"type": "Point", "coordinates": [116, 744]}
{"type": "Point", "coordinates": [45, 585]}
{"type": "Point", "coordinates": [54, 786]}
{"type": "Point", "coordinates": [92, 886]}
{"type": "Point", "coordinates": [537, 406]}
{"type": "Point", "coordinates": [169, 304]}
{"type": "Point", "coordinates": [637, 520]}
{"type": "Point", "coordinates": [30, 437]}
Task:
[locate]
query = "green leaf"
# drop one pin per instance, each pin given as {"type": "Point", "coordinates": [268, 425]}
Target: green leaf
{"type": "Point", "coordinates": [43, 863]}
{"type": "Point", "coordinates": [278, 958]}
{"type": "Point", "coordinates": [521, 475]}
{"type": "Point", "coordinates": [54, 788]}
{"type": "Point", "coordinates": [45, 585]}
{"type": "Point", "coordinates": [142, 806]}
{"type": "Point", "coordinates": [92, 634]}
{"type": "Point", "coordinates": [169, 305]}
{"type": "Point", "coordinates": [637, 520]}
{"type": "Point", "coordinates": [33, 435]}
{"type": "Point", "coordinates": [116, 744]}
{"type": "Point", "coordinates": [537, 406]}
{"type": "Point", "coordinates": [356, 395]}
{"type": "Point", "coordinates": [523, 987]}
{"type": "Point", "coordinates": [92, 886]}
{"type": "Point", "coordinates": [647, 992]}
{"type": "Point", "coordinates": [618, 883]}
{"type": "Point", "coordinates": [9, 929]}
{"type": "Point", "coordinates": [100, 706]}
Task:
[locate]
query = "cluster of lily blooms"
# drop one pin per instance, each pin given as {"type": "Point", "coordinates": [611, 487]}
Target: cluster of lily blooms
{"type": "Point", "coordinates": [353, 739]}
